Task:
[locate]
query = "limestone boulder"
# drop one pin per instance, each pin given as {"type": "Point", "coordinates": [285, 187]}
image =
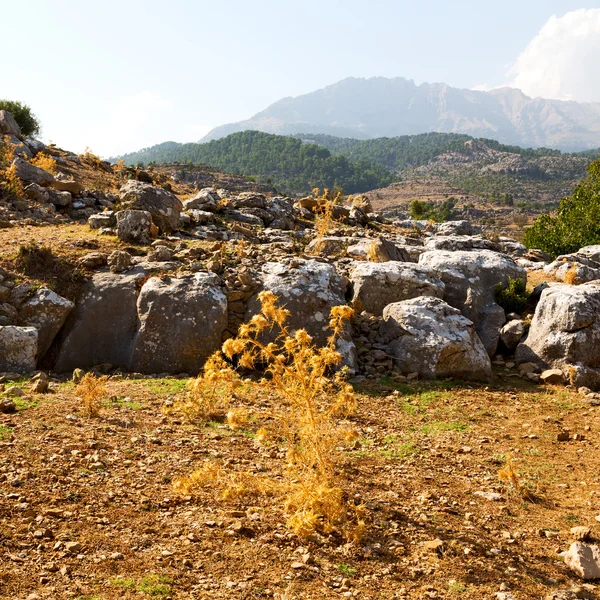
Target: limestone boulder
{"type": "Point", "coordinates": [8, 124]}
{"type": "Point", "coordinates": [164, 207]}
{"type": "Point", "coordinates": [380, 250]}
{"type": "Point", "coordinates": [512, 332]}
{"type": "Point", "coordinates": [375, 285]}
{"type": "Point", "coordinates": [134, 226]}
{"type": "Point", "coordinates": [470, 277]}
{"type": "Point", "coordinates": [460, 242]}
{"type": "Point", "coordinates": [206, 200]}
{"type": "Point", "coordinates": [47, 312]}
{"type": "Point", "coordinates": [30, 173]}
{"type": "Point", "coordinates": [181, 321]}
{"type": "Point", "coordinates": [453, 228]}
{"type": "Point", "coordinates": [18, 349]}
{"type": "Point", "coordinates": [565, 333]}
{"type": "Point", "coordinates": [426, 335]}
{"type": "Point", "coordinates": [309, 289]}
{"type": "Point", "coordinates": [103, 325]}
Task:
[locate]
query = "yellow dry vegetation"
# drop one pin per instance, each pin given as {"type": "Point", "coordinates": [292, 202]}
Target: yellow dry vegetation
{"type": "Point", "coordinates": [313, 400]}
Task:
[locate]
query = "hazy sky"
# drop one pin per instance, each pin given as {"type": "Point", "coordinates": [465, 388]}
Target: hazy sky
{"type": "Point", "coordinates": [120, 75]}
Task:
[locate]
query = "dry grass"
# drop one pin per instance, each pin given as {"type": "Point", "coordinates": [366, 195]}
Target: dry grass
{"type": "Point", "coordinates": [571, 275]}
{"type": "Point", "coordinates": [46, 162]}
{"type": "Point", "coordinates": [311, 402]}
{"type": "Point", "coordinates": [91, 390]}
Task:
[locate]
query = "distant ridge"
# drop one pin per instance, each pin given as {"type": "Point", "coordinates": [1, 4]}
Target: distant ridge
{"type": "Point", "coordinates": [382, 107]}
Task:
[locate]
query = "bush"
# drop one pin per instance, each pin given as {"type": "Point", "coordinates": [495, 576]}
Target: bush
{"type": "Point", "coordinates": [513, 297]}
{"type": "Point", "coordinates": [23, 115]}
{"type": "Point", "coordinates": [576, 223]}
{"type": "Point", "coordinates": [439, 213]}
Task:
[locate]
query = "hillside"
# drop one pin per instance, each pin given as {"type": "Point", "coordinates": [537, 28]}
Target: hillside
{"type": "Point", "coordinates": [477, 169]}
{"type": "Point", "coordinates": [289, 164]}
{"type": "Point", "coordinates": [376, 107]}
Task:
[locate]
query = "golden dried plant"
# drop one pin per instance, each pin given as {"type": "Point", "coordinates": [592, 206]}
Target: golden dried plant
{"type": "Point", "coordinates": [46, 162]}
{"type": "Point", "coordinates": [91, 390]}
{"type": "Point", "coordinates": [311, 398]}
{"type": "Point", "coordinates": [571, 275]}
{"type": "Point", "coordinates": [509, 476]}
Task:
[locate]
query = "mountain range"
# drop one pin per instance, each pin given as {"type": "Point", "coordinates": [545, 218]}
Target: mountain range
{"type": "Point", "coordinates": [384, 107]}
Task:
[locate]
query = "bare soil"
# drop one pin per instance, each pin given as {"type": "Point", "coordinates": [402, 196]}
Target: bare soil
{"type": "Point", "coordinates": [424, 454]}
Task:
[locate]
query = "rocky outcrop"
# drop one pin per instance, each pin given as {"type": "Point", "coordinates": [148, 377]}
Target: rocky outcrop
{"type": "Point", "coordinates": [427, 336]}
{"type": "Point", "coordinates": [565, 333]}
{"type": "Point", "coordinates": [18, 349]}
{"type": "Point", "coordinates": [46, 311]}
{"type": "Point", "coordinates": [375, 285]}
{"type": "Point", "coordinates": [470, 278]}
{"type": "Point", "coordinates": [8, 124]}
{"type": "Point", "coordinates": [380, 250]}
{"type": "Point", "coordinates": [454, 228]}
{"type": "Point", "coordinates": [181, 323]}
{"type": "Point", "coordinates": [164, 207]}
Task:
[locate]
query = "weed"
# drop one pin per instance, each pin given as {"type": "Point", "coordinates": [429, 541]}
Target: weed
{"type": "Point", "coordinates": [5, 432]}
{"type": "Point", "coordinates": [156, 585]}
{"type": "Point", "coordinates": [508, 475]}
{"type": "Point", "coordinates": [513, 296]}
{"type": "Point", "coordinates": [91, 391]}
{"type": "Point", "coordinates": [46, 162]}
{"type": "Point", "coordinates": [310, 400]}
{"type": "Point", "coordinates": [347, 570]}
{"type": "Point", "coordinates": [325, 208]}
{"type": "Point", "coordinates": [571, 275]}
{"type": "Point", "coordinates": [456, 587]}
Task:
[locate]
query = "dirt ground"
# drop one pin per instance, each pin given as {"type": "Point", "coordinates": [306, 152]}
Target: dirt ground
{"type": "Point", "coordinates": [87, 508]}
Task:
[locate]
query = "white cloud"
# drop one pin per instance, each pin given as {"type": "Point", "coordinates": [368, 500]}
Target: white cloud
{"type": "Point", "coordinates": [562, 60]}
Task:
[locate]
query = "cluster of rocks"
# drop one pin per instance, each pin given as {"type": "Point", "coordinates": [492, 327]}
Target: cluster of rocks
{"type": "Point", "coordinates": [48, 198]}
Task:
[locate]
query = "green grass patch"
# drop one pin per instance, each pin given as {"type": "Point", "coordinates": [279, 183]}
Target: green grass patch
{"type": "Point", "coordinates": [120, 403]}
{"type": "Point", "coordinates": [436, 427]}
{"type": "Point", "coordinates": [152, 585]}
{"type": "Point", "coordinates": [166, 385]}
{"type": "Point", "coordinates": [347, 570]}
{"type": "Point", "coordinates": [5, 432]}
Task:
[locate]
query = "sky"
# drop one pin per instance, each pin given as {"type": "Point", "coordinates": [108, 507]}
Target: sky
{"type": "Point", "coordinates": [116, 76]}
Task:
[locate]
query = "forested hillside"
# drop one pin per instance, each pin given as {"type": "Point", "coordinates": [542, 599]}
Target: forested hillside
{"type": "Point", "coordinates": [410, 151]}
{"type": "Point", "coordinates": [292, 166]}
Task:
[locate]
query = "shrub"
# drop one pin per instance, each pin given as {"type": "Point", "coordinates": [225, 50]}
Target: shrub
{"type": "Point", "coordinates": [309, 400]}
{"type": "Point", "coordinates": [10, 184]}
{"type": "Point", "coordinates": [514, 296]}
{"type": "Point", "coordinates": [575, 224]}
{"type": "Point", "coordinates": [46, 162]}
{"type": "Point", "coordinates": [91, 391]}
{"type": "Point", "coordinates": [23, 115]}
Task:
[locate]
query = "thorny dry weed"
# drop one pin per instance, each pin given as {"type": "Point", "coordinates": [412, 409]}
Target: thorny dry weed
{"type": "Point", "coordinates": [311, 400]}
{"type": "Point", "coordinates": [91, 390]}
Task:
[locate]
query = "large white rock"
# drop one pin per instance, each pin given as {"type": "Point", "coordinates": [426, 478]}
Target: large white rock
{"type": "Point", "coordinates": [470, 277]}
{"type": "Point", "coordinates": [18, 349]}
{"type": "Point", "coordinates": [164, 207]}
{"type": "Point", "coordinates": [181, 323]}
{"type": "Point", "coordinates": [47, 312]}
{"type": "Point", "coordinates": [30, 173]}
{"type": "Point", "coordinates": [309, 289]}
{"type": "Point", "coordinates": [583, 560]}
{"type": "Point", "coordinates": [429, 337]}
{"type": "Point", "coordinates": [375, 285]}
{"type": "Point", "coordinates": [565, 333]}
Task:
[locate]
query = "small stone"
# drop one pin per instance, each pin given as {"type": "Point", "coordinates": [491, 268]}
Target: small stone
{"type": "Point", "coordinates": [412, 376]}
{"type": "Point", "coordinates": [14, 391]}
{"type": "Point", "coordinates": [7, 406]}
{"type": "Point", "coordinates": [78, 375]}
{"type": "Point", "coordinates": [40, 386]}
{"type": "Point", "coordinates": [117, 556]}
{"type": "Point", "coordinates": [552, 376]}
{"type": "Point", "coordinates": [563, 436]}
{"type": "Point", "coordinates": [491, 496]}
{"type": "Point", "coordinates": [580, 533]}
{"type": "Point", "coordinates": [72, 547]}
{"type": "Point", "coordinates": [297, 565]}
{"type": "Point", "coordinates": [436, 545]}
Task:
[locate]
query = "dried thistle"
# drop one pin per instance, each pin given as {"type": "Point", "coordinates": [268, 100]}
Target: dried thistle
{"type": "Point", "coordinates": [91, 390]}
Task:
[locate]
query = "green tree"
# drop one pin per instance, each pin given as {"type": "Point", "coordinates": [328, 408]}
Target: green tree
{"type": "Point", "coordinates": [576, 223]}
{"type": "Point", "coordinates": [23, 115]}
